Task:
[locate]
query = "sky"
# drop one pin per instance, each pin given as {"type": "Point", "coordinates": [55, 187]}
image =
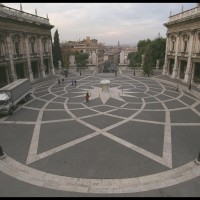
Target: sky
{"type": "Point", "coordinates": [109, 23]}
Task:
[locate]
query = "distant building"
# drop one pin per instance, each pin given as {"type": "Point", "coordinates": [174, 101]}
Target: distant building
{"type": "Point", "coordinates": [182, 58]}
{"type": "Point", "coordinates": [25, 45]}
{"type": "Point", "coordinates": [124, 55]}
{"type": "Point", "coordinates": [90, 46]}
{"type": "Point", "coordinates": [85, 46]}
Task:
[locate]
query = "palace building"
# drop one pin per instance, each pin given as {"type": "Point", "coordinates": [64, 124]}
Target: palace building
{"type": "Point", "coordinates": [25, 45]}
{"type": "Point", "coordinates": [182, 57]}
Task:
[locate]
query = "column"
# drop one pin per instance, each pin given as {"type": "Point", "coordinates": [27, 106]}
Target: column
{"type": "Point", "coordinates": [30, 73]}
{"type": "Point", "coordinates": [196, 44]}
{"type": "Point", "coordinates": [41, 58]}
{"type": "Point", "coordinates": [165, 67]}
{"type": "Point", "coordinates": [51, 56]}
{"type": "Point", "coordinates": [175, 69]}
{"type": "Point", "coordinates": [188, 72]}
{"type": "Point", "coordinates": [12, 67]}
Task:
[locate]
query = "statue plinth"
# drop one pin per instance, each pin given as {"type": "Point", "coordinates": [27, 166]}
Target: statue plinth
{"type": "Point", "coordinates": [105, 86]}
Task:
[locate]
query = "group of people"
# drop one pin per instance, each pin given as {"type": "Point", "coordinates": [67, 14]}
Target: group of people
{"type": "Point", "coordinates": [74, 82]}
{"type": "Point", "coordinates": [63, 80]}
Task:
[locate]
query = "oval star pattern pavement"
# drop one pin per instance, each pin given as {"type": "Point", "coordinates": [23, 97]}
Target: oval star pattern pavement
{"type": "Point", "coordinates": [143, 135]}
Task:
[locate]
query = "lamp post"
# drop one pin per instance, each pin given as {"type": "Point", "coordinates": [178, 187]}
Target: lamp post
{"type": "Point", "coordinates": [190, 84]}
{"type": "Point", "coordinates": [2, 155]}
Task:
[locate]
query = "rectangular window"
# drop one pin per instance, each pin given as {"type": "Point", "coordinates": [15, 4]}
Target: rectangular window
{"type": "Point", "coordinates": [173, 46]}
{"type": "Point", "coordinates": [185, 46]}
{"type": "Point", "coordinates": [44, 47]}
{"type": "Point", "coordinates": [17, 48]}
{"type": "Point", "coordinates": [0, 49]}
{"type": "Point", "coordinates": [32, 47]}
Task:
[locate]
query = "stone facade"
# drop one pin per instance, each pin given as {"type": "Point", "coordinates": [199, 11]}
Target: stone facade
{"type": "Point", "coordinates": [25, 46]}
{"type": "Point", "coordinates": [182, 57]}
{"type": "Point", "coordinates": [90, 46]}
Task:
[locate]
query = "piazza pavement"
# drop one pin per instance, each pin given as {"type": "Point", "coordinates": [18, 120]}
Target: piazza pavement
{"type": "Point", "coordinates": [140, 139]}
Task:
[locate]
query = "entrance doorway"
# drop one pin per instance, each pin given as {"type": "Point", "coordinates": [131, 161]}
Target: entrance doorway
{"type": "Point", "coordinates": [196, 77]}
{"type": "Point", "coordinates": [46, 66]}
{"type": "Point", "coordinates": [20, 70]}
{"type": "Point", "coordinates": [34, 68]}
{"type": "Point", "coordinates": [183, 66]}
{"type": "Point", "coordinates": [171, 66]}
{"type": "Point", "coordinates": [3, 80]}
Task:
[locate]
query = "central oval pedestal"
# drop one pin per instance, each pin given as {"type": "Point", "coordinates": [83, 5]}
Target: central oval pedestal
{"type": "Point", "coordinates": [105, 86]}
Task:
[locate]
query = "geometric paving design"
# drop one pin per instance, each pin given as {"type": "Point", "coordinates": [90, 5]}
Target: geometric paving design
{"type": "Point", "coordinates": [142, 136]}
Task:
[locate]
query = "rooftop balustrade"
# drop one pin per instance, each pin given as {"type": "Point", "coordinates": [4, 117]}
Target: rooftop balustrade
{"type": "Point", "coordinates": [185, 14]}
{"type": "Point", "coordinates": [21, 15]}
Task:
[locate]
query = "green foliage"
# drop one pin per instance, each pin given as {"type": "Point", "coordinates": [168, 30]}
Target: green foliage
{"type": "Point", "coordinates": [81, 59]}
{"type": "Point", "coordinates": [107, 65]}
{"type": "Point", "coordinates": [158, 51]}
{"type": "Point", "coordinates": [142, 45]}
{"type": "Point", "coordinates": [56, 49]}
{"type": "Point", "coordinates": [134, 59]}
{"type": "Point", "coordinates": [152, 50]}
{"type": "Point", "coordinates": [147, 65]}
{"type": "Point", "coordinates": [66, 53]}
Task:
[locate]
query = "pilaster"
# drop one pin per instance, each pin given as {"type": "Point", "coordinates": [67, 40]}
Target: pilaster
{"type": "Point", "coordinates": [30, 73]}
{"type": "Point", "coordinates": [41, 57]}
{"type": "Point", "coordinates": [188, 72]}
{"type": "Point", "coordinates": [175, 69]}
{"type": "Point", "coordinates": [51, 56]}
{"type": "Point", "coordinates": [12, 67]}
{"type": "Point", "coordinates": [165, 67]}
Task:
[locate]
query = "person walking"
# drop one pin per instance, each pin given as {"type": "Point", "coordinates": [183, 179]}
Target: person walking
{"type": "Point", "coordinates": [177, 88]}
{"type": "Point", "coordinates": [87, 97]}
{"type": "Point", "coordinates": [75, 82]}
{"type": "Point", "coordinates": [72, 82]}
{"type": "Point", "coordinates": [58, 81]}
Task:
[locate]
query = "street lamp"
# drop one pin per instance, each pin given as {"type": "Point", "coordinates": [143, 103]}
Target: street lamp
{"type": "Point", "coordinates": [190, 84]}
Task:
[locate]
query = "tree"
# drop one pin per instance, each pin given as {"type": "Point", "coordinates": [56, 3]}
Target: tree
{"type": "Point", "coordinates": [66, 53]}
{"type": "Point", "coordinates": [147, 65]}
{"type": "Point", "coordinates": [56, 49]}
{"type": "Point", "coordinates": [107, 66]}
{"type": "Point", "coordinates": [142, 46]}
{"type": "Point", "coordinates": [81, 59]}
{"type": "Point", "coordinates": [158, 51]}
{"type": "Point", "coordinates": [152, 50]}
{"type": "Point", "coordinates": [134, 59]}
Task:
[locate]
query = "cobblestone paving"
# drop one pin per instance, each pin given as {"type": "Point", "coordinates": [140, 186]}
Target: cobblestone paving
{"type": "Point", "coordinates": [142, 136]}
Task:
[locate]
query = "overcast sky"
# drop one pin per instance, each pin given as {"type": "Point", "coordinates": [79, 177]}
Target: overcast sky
{"type": "Point", "coordinates": [107, 22]}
